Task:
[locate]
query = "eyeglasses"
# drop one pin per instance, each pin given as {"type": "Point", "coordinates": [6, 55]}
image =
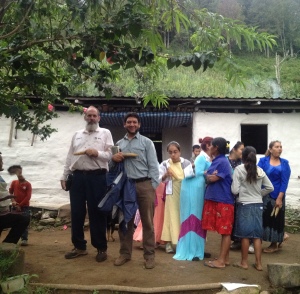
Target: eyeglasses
{"type": "Point", "coordinates": [173, 152]}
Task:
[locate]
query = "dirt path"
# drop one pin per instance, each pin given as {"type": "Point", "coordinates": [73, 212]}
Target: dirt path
{"type": "Point", "coordinates": [44, 256]}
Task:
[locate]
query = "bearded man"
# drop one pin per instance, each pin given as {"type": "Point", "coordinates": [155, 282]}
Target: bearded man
{"type": "Point", "coordinates": [144, 171]}
{"type": "Point", "coordinates": [87, 160]}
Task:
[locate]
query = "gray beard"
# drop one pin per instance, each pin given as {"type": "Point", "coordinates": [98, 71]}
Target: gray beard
{"type": "Point", "coordinates": [91, 127]}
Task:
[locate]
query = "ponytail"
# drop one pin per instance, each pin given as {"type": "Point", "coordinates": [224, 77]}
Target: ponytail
{"type": "Point", "coordinates": [249, 160]}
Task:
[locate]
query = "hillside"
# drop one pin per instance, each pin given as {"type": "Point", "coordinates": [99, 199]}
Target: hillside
{"type": "Point", "coordinates": [258, 75]}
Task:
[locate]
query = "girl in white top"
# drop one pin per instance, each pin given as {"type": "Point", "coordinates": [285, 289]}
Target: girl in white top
{"type": "Point", "coordinates": [250, 184]}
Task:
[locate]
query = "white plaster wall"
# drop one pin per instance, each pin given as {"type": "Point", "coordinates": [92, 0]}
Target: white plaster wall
{"type": "Point", "coordinates": [284, 127]}
{"type": "Point", "coordinates": [43, 162]}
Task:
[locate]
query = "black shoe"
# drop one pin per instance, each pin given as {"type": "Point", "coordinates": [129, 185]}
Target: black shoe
{"type": "Point", "coordinates": [101, 256]}
{"type": "Point", "coordinates": [207, 255]}
{"type": "Point", "coordinates": [75, 253]}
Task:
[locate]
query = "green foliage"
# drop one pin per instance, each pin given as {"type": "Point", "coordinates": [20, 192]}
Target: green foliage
{"type": "Point", "coordinates": [257, 74]}
{"type": "Point", "coordinates": [52, 49]}
{"type": "Point", "coordinates": [6, 261]}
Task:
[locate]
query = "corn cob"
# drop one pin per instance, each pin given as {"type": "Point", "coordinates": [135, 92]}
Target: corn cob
{"type": "Point", "coordinates": [273, 211]}
{"type": "Point", "coordinates": [79, 153]}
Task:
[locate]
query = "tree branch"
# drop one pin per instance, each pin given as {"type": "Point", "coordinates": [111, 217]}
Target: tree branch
{"type": "Point", "coordinates": [35, 42]}
{"type": "Point", "coordinates": [17, 28]}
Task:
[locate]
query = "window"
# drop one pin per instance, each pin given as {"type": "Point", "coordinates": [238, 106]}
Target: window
{"type": "Point", "coordinates": [256, 136]}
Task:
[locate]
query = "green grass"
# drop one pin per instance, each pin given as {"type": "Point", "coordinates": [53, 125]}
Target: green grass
{"type": "Point", "coordinates": [258, 75]}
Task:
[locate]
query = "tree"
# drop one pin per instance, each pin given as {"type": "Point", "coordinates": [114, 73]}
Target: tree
{"type": "Point", "coordinates": [231, 9]}
{"type": "Point", "coordinates": [49, 47]}
{"type": "Point", "coordinates": [279, 17]}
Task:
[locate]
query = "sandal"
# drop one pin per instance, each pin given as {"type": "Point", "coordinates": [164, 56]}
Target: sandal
{"type": "Point", "coordinates": [169, 248]}
{"type": "Point", "coordinates": [285, 238]}
{"type": "Point", "coordinates": [270, 249]}
{"type": "Point", "coordinates": [211, 264]}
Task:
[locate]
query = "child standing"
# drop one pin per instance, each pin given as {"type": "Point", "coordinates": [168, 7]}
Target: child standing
{"type": "Point", "coordinates": [196, 152]}
{"type": "Point", "coordinates": [248, 180]}
{"type": "Point", "coordinates": [22, 190]}
{"type": "Point", "coordinates": [171, 172]}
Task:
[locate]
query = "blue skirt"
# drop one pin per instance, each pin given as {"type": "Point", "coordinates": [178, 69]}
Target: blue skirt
{"type": "Point", "coordinates": [249, 221]}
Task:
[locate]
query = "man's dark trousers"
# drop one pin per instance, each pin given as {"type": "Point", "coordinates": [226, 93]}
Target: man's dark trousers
{"type": "Point", "coordinates": [17, 223]}
{"type": "Point", "coordinates": [87, 190]}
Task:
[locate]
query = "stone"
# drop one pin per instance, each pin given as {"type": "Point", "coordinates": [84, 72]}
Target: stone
{"type": "Point", "coordinates": [284, 275]}
{"type": "Point", "coordinates": [45, 215]}
{"type": "Point", "coordinates": [64, 213]}
{"type": "Point", "coordinates": [47, 221]}
{"type": "Point", "coordinates": [13, 284]}
{"type": "Point", "coordinates": [242, 290]}
{"type": "Point", "coordinates": [40, 228]}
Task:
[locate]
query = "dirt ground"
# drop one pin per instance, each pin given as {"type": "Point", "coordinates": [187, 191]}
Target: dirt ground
{"type": "Point", "coordinates": [44, 256]}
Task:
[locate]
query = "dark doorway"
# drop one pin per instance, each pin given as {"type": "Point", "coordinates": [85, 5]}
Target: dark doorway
{"type": "Point", "coordinates": [256, 136]}
{"type": "Point", "coordinates": [157, 140]}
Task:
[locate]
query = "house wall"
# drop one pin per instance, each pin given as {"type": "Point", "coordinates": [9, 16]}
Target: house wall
{"type": "Point", "coordinates": [43, 162]}
{"type": "Point", "coordinates": [283, 127]}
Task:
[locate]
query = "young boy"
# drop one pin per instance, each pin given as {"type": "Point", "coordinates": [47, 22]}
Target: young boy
{"type": "Point", "coordinates": [22, 190]}
{"type": "Point", "coordinates": [196, 152]}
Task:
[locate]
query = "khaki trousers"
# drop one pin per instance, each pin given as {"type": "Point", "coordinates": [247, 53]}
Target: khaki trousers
{"type": "Point", "coordinates": [146, 203]}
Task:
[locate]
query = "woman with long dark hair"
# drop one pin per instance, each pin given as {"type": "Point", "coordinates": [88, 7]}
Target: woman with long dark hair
{"type": "Point", "coordinates": [250, 183]}
{"type": "Point", "coordinates": [235, 154]}
{"type": "Point", "coordinates": [278, 170]}
{"type": "Point", "coordinates": [218, 210]}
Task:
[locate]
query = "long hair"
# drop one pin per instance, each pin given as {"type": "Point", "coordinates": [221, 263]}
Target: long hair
{"type": "Point", "coordinates": [249, 160]}
{"type": "Point", "coordinates": [237, 145]}
{"type": "Point", "coordinates": [272, 143]}
{"type": "Point", "coordinates": [221, 144]}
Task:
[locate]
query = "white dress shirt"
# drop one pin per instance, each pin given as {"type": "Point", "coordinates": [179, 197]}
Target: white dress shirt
{"type": "Point", "coordinates": [101, 140]}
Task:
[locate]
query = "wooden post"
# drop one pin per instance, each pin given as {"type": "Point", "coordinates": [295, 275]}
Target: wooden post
{"type": "Point", "coordinates": [32, 140]}
{"type": "Point", "coordinates": [12, 123]}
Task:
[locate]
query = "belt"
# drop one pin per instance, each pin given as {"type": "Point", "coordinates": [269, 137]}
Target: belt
{"type": "Point", "coordinates": [141, 180]}
{"type": "Point", "coordinates": [100, 171]}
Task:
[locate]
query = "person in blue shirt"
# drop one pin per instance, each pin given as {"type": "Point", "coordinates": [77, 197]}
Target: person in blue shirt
{"type": "Point", "coordinates": [218, 211]}
{"type": "Point", "coordinates": [144, 171]}
{"type": "Point", "coordinates": [278, 171]}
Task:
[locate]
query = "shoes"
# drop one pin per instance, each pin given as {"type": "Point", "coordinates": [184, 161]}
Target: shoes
{"type": "Point", "coordinates": [251, 249]}
{"type": "Point", "coordinates": [75, 253]}
{"type": "Point", "coordinates": [121, 260]}
{"type": "Point", "coordinates": [24, 243]}
{"type": "Point", "coordinates": [235, 245]}
{"type": "Point", "coordinates": [285, 238]}
{"type": "Point", "coordinates": [169, 248]}
{"type": "Point", "coordinates": [270, 249]}
{"type": "Point", "coordinates": [207, 255]}
{"type": "Point", "coordinates": [149, 263]}
{"type": "Point", "coordinates": [101, 256]}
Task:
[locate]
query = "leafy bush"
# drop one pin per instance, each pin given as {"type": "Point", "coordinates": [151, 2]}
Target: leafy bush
{"type": "Point", "coordinates": [6, 261]}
